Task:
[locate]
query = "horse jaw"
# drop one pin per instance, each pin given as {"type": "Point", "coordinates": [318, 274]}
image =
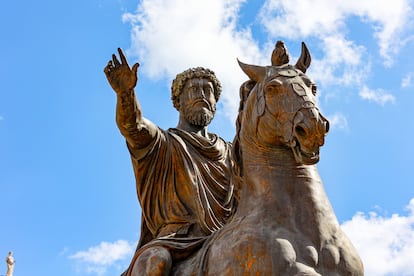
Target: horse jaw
{"type": "Point", "coordinates": [302, 157]}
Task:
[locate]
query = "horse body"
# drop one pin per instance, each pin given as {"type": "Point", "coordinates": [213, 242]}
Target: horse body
{"type": "Point", "coordinates": [284, 224]}
{"type": "Point", "coordinates": [283, 227]}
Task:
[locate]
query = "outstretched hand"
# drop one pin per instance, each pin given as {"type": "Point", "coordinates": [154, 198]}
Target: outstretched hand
{"type": "Point", "coordinates": [120, 76]}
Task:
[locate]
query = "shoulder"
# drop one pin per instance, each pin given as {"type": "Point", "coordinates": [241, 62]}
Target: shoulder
{"type": "Point", "coordinates": [218, 139]}
{"type": "Point", "coordinates": [159, 140]}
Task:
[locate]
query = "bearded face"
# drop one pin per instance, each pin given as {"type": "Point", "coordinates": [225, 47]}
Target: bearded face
{"type": "Point", "coordinates": [198, 116]}
{"type": "Point", "coordinates": [197, 101]}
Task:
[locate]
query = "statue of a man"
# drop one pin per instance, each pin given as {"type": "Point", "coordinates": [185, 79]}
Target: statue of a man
{"type": "Point", "coordinates": [183, 174]}
{"type": "Point", "coordinates": [10, 264]}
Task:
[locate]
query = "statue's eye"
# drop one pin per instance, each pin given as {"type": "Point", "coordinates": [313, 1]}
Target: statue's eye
{"type": "Point", "coordinates": [314, 89]}
{"type": "Point", "coordinates": [208, 89]}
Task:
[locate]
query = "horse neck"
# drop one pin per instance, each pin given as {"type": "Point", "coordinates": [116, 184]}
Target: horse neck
{"type": "Point", "coordinates": [277, 192]}
{"type": "Point", "coordinates": [272, 179]}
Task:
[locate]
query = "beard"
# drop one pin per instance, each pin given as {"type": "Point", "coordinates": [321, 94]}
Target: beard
{"type": "Point", "coordinates": [199, 116]}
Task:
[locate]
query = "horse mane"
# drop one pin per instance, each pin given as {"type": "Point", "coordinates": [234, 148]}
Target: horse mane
{"type": "Point", "coordinates": [245, 90]}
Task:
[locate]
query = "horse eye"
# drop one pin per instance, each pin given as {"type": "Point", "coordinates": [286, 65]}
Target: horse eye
{"type": "Point", "coordinates": [272, 86]}
{"type": "Point", "coordinates": [314, 89]}
{"type": "Point", "coordinates": [270, 89]}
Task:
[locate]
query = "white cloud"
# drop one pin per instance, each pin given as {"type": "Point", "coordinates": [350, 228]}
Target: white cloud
{"type": "Point", "coordinates": [385, 244]}
{"type": "Point", "coordinates": [343, 63]}
{"type": "Point", "coordinates": [97, 259]}
{"type": "Point", "coordinates": [390, 21]}
{"type": "Point", "coordinates": [379, 96]}
{"type": "Point", "coordinates": [407, 81]}
{"type": "Point", "coordinates": [171, 36]}
{"type": "Point", "coordinates": [338, 121]}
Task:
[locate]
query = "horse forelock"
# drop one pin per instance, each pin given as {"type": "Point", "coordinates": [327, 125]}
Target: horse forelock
{"type": "Point", "coordinates": [245, 90]}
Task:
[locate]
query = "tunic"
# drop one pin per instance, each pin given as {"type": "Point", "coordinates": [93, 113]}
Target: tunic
{"type": "Point", "coordinates": [185, 188]}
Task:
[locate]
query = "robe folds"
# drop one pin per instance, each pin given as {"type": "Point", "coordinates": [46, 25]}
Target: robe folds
{"type": "Point", "coordinates": [185, 188]}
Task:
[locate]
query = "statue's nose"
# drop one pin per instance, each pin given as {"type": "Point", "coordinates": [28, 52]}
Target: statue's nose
{"type": "Point", "coordinates": [311, 127]}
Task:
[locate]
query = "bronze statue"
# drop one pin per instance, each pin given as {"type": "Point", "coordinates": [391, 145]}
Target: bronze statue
{"type": "Point", "coordinates": [187, 178]}
{"type": "Point", "coordinates": [183, 174]}
{"type": "Point", "coordinates": [10, 264]}
{"type": "Point", "coordinates": [284, 223]}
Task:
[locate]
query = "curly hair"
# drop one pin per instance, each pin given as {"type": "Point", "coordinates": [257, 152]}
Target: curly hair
{"type": "Point", "coordinates": [198, 72]}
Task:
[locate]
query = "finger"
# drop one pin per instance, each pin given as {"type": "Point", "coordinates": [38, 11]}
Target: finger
{"type": "Point", "coordinates": [108, 67]}
{"type": "Point", "coordinates": [106, 70]}
{"type": "Point", "coordinates": [122, 56]}
{"type": "Point", "coordinates": [135, 68]}
{"type": "Point", "coordinates": [115, 60]}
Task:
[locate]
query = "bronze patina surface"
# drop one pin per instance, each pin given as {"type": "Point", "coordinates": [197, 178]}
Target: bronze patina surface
{"type": "Point", "coordinates": [284, 223]}
{"type": "Point", "coordinates": [183, 174]}
{"type": "Point", "coordinates": [281, 221]}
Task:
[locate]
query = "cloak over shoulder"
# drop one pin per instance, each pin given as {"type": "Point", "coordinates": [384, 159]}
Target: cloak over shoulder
{"type": "Point", "coordinates": [182, 180]}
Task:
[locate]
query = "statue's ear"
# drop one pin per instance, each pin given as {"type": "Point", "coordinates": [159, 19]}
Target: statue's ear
{"type": "Point", "coordinates": [304, 60]}
{"type": "Point", "coordinates": [176, 103]}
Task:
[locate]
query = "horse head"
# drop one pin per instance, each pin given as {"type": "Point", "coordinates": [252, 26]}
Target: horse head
{"type": "Point", "coordinates": [281, 109]}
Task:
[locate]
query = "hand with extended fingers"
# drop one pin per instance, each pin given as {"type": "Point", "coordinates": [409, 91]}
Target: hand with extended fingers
{"type": "Point", "coordinates": [120, 76]}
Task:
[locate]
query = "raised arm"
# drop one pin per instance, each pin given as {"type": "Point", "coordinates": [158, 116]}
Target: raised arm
{"type": "Point", "coordinates": [138, 131]}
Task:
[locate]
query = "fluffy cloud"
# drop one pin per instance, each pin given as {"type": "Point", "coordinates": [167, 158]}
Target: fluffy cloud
{"type": "Point", "coordinates": [379, 96]}
{"type": "Point", "coordinates": [338, 121]}
{"type": "Point", "coordinates": [324, 18]}
{"type": "Point", "coordinates": [171, 36]}
{"type": "Point", "coordinates": [97, 259]}
{"type": "Point", "coordinates": [343, 63]}
{"type": "Point", "coordinates": [407, 81]}
{"type": "Point", "coordinates": [385, 244]}
{"type": "Point", "coordinates": [345, 60]}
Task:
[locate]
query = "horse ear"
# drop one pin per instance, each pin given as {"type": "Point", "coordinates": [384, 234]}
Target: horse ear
{"type": "Point", "coordinates": [304, 60]}
{"type": "Point", "coordinates": [254, 72]}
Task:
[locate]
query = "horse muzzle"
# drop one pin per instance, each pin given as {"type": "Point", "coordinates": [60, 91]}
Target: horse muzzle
{"type": "Point", "coordinates": [308, 135]}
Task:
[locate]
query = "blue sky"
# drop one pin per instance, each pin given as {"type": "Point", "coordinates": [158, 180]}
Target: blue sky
{"type": "Point", "coordinates": [67, 188]}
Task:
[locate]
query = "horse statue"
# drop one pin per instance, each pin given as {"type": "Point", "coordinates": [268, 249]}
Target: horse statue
{"type": "Point", "coordinates": [284, 224]}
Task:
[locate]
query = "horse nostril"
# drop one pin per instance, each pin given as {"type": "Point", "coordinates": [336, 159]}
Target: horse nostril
{"type": "Point", "coordinates": [326, 126]}
{"type": "Point", "coordinates": [300, 131]}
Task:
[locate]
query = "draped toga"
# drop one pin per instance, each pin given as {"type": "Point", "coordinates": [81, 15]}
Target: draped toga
{"type": "Point", "coordinates": [185, 188]}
